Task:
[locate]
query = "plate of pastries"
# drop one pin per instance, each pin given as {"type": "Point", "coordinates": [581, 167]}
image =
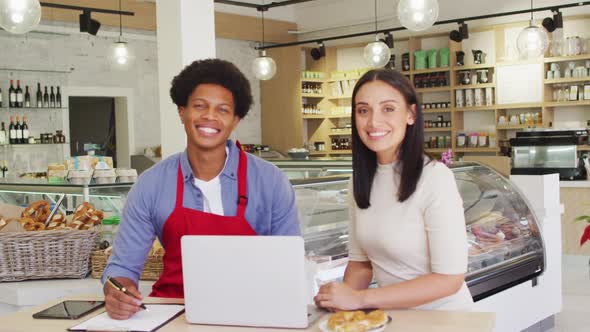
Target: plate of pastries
{"type": "Point", "coordinates": [356, 321]}
{"type": "Point", "coordinates": [35, 215]}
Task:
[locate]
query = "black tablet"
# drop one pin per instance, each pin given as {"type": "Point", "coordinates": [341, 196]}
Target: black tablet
{"type": "Point", "coordinates": [69, 310]}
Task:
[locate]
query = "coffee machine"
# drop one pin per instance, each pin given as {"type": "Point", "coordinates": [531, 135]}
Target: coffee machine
{"type": "Point", "coordinates": [549, 151]}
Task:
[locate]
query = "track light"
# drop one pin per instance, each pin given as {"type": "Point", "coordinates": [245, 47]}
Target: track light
{"type": "Point", "coordinates": [318, 52]}
{"type": "Point", "coordinates": [388, 40]}
{"type": "Point", "coordinates": [87, 24]}
{"type": "Point", "coordinates": [461, 33]}
{"type": "Point", "coordinates": [551, 24]}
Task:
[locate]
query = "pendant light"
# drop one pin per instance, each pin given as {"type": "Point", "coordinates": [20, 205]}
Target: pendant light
{"type": "Point", "coordinates": [263, 67]}
{"type": "Point", "coordinates": [19, 16]}
{"type": "Point", "coordinates": [376, 53]}
{"type": "Point", "coordinates": [417, 15]}
{"type": "Point", "coordinates": [532, 41]}
{"type": "Point", "coordinates": [121, 52]}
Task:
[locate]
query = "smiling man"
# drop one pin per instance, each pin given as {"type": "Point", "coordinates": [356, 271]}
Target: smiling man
{"type": "Point", "coordinates": [212, 188]}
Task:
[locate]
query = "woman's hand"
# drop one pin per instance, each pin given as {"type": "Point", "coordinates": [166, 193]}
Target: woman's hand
{"type": "Point", "coordinates": [339, 296]}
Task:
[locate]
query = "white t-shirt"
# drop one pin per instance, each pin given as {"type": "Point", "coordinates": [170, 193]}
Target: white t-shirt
{"type": "Point", "coordinates": [422, 235]}
{"type": "Point", "coordinates": [212, 202]}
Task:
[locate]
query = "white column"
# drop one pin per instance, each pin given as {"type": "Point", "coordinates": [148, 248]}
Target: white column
{"type": "Point", "coordinates": [186, 32]}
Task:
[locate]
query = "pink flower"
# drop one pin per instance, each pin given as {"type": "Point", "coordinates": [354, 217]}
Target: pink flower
{"type": "Point", "coordinates": [586, 235]}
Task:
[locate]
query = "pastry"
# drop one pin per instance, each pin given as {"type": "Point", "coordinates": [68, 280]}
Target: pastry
{"type": "Point", "coordinates": [39, 211]}
{"type": "Point", "coordinates": [376, 318]}
{"type": "Point", "coordinates": [351, 327]}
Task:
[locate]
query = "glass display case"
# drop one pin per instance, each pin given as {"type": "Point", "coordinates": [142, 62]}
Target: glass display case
{"type": "Point", "coordinates": [110, 198]}
{"type": "Point", "coordinates": [307, 169]}
{"type": "Point", "coordinates": [503, 237]}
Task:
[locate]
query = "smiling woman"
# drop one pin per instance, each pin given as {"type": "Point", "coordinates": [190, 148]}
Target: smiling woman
{"type": "Point", "coordinates": [404, 230]}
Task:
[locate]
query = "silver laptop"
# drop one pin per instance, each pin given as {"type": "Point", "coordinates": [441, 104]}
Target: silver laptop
{"type": "Point", "coordinates": [246, 281]}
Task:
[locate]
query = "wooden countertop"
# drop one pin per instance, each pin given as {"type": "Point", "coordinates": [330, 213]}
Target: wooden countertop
{"type": "Point", "coordinates": [404, 320]}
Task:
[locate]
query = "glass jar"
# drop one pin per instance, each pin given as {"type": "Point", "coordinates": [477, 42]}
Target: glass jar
{"type": "Point", "coordinates": [108, 230]}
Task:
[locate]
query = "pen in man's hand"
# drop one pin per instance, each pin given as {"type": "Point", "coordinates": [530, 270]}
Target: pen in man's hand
{"type": "Point", "coordinates": [113, 282]}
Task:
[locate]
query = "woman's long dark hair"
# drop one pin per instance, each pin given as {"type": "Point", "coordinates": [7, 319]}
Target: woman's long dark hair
{"type": "Point", "coordinates": [410, 153]}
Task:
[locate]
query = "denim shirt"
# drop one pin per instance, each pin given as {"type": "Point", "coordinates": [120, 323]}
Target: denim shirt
{"type": "Point", "coordinates": [271, 208]}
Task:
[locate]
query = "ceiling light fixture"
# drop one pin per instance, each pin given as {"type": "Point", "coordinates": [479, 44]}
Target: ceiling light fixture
{"type": "Point", "coordinates": [121, 52]}
{"type": "Point", "coordinates": [87, 24]}
{"type": "Point", "coordinates": [532, 41]}
{"type": "Point", "coordinates": [376, 53]}
{"type": "Point", "coordinates": [417, 15]}
{"type": "Point", "coordinates": [19, 16]}
{"type": "Point", "coordinates": [460, 34]}
{"type": "Point", "coordinates": [318, 52]}
{"type": "Point", "coordinates": [264, 67]}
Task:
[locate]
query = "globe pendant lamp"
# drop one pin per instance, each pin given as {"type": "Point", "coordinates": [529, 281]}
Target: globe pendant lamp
{"type": "Point", "coordinates": [377, 53]}
{"type": "Point", "coordinates": [121, 52]}
{"type": "Point", "coordinates": [263, 67]}
{"type": "Point", "coordinates": [417, 15]}
{"type": "Point", "coordinates": [19, 16]}
{"type": "Point", "coordinates": [532, 41]}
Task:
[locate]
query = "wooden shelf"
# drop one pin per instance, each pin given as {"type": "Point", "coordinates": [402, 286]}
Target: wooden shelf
{"type": "Point", "coordinates": [312, 95]}
{"type": "Point", "coordinates": [515, 106]}
{"type": "Point", "coordinates": [430, 70]}
{"type": "Point", "coordinates": [567, 58]}
{"type": "Point", "coordinates": [568, 80]}
{"type": "Point", "coordinates": [438, 89]}
{"type": "Point", "coordinates": [437, 150]}
{"type": "Point", "coordinates": [513, 127]}
{"type": "Point", "coordinates": [475, 108]}
{"type": "Point", "coordinates": [341, 152]}
{"type": "Point", "coordinates": [583, 148]}
{"type": "Point", "coordinates": [567, 103]}
{"type": "Point", "coordinates": [313, 80]}
{"type": "Point", "coordinates": [343, 133]}
{"type": "Point", "coordinates": [338, 116]}
{"type": "Point", "coordinates": [318, 153]}
{"type": "Point", "coordinates": [464, 150]}
{"type": "Point", "coordinates": [408, 72]}
{"type": "Point", "coordinates": [436, 110]}
{"type": "Point", "coordinates": [475, 86]}
{"type": "Point", "coordinates": [314, 116]}
{"type": "Point", "coordinates": [340, 97]}
{"type": "Point", "coordinates": [437, 129]}
{"type": "Point", "coordinates": [473, 67]}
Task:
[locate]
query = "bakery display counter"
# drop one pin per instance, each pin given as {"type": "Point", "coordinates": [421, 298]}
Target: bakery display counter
{"type": "Point", "coordinates": [306, 169]}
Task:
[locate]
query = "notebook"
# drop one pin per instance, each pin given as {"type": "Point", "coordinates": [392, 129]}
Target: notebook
{"type": "Point", "coordinates": [143, 321]}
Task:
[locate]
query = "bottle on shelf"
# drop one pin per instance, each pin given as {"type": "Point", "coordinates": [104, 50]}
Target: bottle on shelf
{"type": "Point", "coordinates": [39, 96]}
{"type": "Point", "coordinates": [4, 170]}
{"type": "Point", "coordinates": [11, 131]}
{"type": "Point", "coordinates": [58, 98]}
{"type": "Point", "coordinates": [46, 98]}
{"type": "Point", "coordinates": [25, 131]}
{"type": "Point", "coordinates": [19, 95]}
{"type": "Point", "coordinates": [11, 95]}
{"type": "Point", "coordinates": [19, 131]}
{"type": "Point", "coordinates": [3, 134]}
{"type": "Point", "coordinates": [52, 99]}
{"type": "Point", "coordinates": [27, 97]}
{"type": "Point", "coordinates": [0, 98]}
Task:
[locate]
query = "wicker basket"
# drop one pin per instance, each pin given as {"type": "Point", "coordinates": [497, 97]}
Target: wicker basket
{"type": "Point", "coordinates": [45, 254]}
{"type": "Point", "coordinates": [151, 270]}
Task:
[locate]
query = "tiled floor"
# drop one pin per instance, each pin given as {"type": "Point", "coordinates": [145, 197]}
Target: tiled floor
{"type": "Point", "coordinates": [575, 316]}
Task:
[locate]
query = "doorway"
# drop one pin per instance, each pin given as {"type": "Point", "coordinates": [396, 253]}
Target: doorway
{"type": "Point", "coordinates": [93, 126]}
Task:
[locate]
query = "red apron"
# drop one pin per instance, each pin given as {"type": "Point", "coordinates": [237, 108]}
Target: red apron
{"type": "Point", "coordinates": [183, 221]}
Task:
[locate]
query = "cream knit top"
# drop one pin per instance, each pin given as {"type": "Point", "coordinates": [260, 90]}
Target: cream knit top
{"type": "Point", "coordinates": [424, 234]}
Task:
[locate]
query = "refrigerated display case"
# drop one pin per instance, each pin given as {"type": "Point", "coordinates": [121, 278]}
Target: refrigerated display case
{"type": "Point", "coordinates": [306, 169]}
{"type": "Point", "coordinates": [109, 198]}
{"type": "Point", "coordinates": [504, 240]}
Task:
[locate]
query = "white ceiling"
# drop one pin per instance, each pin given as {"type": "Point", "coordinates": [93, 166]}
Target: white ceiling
{"type": "Point", "coordinates": [321, 18]}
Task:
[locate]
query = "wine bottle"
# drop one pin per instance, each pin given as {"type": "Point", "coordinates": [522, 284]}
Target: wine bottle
{"type": "Point", "coordinates": [27, 97]}
{"type": "Point", "coordinates": [52, 99]}
{"type": "Point", "coordinates": [25, 131]}
{"type": "Point", "coordinates": [19, 95]}
{"type": "Point", "coordinates": [46, 98]}
{"type": "Point", "coordinates": [11, 95]}
{"type": "Point", "coordinates": [19, 131]}
{"type": "Point", "coordinates": [58, 98]}
{"type": "Point", "coordinates": [3, 134]}
{"type": "Point", "coordinates": [0, 98]}
{"type": "Point", "coordinates": [39, 96]}
{"type": "Point", "coordinates": [12, 131]}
